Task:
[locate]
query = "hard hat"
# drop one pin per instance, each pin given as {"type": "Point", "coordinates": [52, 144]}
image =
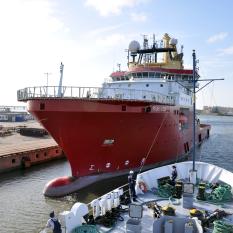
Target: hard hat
{"type": "Point", "coordinates": [131, 172]}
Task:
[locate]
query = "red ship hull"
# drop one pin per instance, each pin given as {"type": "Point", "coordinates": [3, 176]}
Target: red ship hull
{"type": "Point", "coordinates": [136, 132]}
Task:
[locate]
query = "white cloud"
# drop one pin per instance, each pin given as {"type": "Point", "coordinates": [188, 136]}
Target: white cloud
{"type": "Point", "coordinates": [138, 17]}
{"type": "Point", "coordinates": [28, 45]}
{"type": "Point", "coordinates": [218, 37]}
{"type": "Point", "coordinates": [108, 7]}
{"type": "Point", "coordinates": [111, 40]}
{"type": "Point", "coordinates": [227, 51]}
{"type": "Point", "coordinates": [105, 29]}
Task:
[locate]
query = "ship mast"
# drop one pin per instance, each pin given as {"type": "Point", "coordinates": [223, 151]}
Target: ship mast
{"type": "Point", "coordinates": [59, 93]}
{"type": "Point", "coordinates": [194, 108]}
{"type": "Point", "coordinates": [193, 172]}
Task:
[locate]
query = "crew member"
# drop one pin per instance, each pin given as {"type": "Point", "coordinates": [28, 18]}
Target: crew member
{"type": "Point", "coordinates": [174, 174]}
{"type": "Point", "coordinates": [53, 223]}
{"type": "Point", "coordinates": [131, 182]}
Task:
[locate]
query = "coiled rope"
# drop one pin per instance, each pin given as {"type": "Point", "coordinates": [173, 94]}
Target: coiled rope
{"type": "Point", "coordinates": [222, 227]}
{"type": "Point", "coordinates": [220, 194]}
{"type": "Point", "coordinates": [85, 229]}
{"type": "Point", "coordinates": [165, 190]}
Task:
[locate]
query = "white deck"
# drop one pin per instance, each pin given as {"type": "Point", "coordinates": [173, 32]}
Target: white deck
{"type": "Point", "coordinates": [148, 219]}
{"type": "Point", "coordinates": [205, 172]}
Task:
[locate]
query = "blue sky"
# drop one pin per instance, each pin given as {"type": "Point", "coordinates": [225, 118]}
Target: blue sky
{"type": "Point", "coordinates": [90, 36]}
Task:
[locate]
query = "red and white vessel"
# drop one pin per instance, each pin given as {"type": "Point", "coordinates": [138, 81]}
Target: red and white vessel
{"type": "Point", "coordinates": [142, 116]}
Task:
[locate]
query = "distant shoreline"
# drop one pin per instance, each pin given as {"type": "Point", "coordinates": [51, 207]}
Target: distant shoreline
{"type": "Point", "coordinates": [201, 112]}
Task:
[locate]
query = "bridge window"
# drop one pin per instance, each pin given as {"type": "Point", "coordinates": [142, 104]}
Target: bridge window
{"type": "Point", "coordinates": [145, 74]}
{"type": "Point", "coordinates": [163, 76]}
{"type": "Point", "coordinates": [178, 76]}
{"type": "Point", "coordinates": [157, 75]}
{"type": "Point", "coordinates": [151, 75]}
{"type": "Point", "coordinates": [139, 75]}
{"type": "Point", "coordinates": [185, 77]}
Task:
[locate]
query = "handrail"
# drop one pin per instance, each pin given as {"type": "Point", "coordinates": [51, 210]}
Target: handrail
{"type": "Point", "coordinates": [98, 198]}
{"type": "Point", "coordinates": [93, 93]}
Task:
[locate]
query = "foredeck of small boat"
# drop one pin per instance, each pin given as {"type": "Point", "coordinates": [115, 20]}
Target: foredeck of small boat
{"type": "Point", "coordinates": [148, 219]}
{"type": "Point", "coordinates": [147, 186]}
{"type": "Point", "coordinates": [206, 173]}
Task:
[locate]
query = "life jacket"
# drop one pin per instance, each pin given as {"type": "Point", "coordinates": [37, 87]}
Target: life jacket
{"type": "Point", "coordinates": [57, 226]}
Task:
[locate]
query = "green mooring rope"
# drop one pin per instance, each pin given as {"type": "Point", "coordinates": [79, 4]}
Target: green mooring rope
{"type": "Point", "coordinates": [85, 229]}
{"type": "Point", "coordinates": [220, 194]}
{"type": "Point", "coordinates": [222, 227]}
{"type": "Point", "coordinates": [165, 190]}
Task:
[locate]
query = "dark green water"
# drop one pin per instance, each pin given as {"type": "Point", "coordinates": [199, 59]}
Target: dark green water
{"type": "Point", "coordinates": [24, 209]}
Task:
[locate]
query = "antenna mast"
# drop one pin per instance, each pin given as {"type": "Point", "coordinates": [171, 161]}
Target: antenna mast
{"type": "Point", "coordinates": [59, 93]}
{"type": "Point", "coordinates": [194, 108]}
{"type": "Point", "coordinates": [47, 81]}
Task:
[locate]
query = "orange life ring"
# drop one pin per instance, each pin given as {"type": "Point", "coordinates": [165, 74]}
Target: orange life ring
{"type": "Point", "coordinates": [142, 186]}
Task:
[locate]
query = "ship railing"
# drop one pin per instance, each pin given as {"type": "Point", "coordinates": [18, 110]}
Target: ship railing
{"type": "Point", "coordinates": [126, 192]}
{"type": "Point", "coordinates": [124, 187]}
{"type": "Point", "coordinates": [93, 93]}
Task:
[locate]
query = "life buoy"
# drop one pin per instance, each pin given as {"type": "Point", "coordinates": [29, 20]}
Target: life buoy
{"type": "Point", "coordinates": [142, 186]}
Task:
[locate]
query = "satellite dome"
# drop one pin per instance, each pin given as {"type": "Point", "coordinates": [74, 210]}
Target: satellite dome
{"type": "Point", "coordinates": [134, 46]}
{"type": "Point", "coordinates": [173, 41]}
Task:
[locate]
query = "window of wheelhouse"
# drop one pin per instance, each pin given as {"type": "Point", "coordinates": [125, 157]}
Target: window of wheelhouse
{"type": "Point", "coordinates": [157, 75]}
{"type": "Point", "coordinates": [163, 76]}
{"type": "Point", "coordinates": [185, 77]}
{"type": "Point", "coordinates": [178, 77]}
{"type": "Point", "coordinates": [145, 74]}
{"type": "Point", "coordinates": [151, 74]}
{"type": "Point", "coordinates": [170, 77]}
{"type": "Point", "coordinates": [139, 75]}
{"type": "Point", "coordinates": [190, 77]}
{"type": "Point", "coordinates": [129, 76]}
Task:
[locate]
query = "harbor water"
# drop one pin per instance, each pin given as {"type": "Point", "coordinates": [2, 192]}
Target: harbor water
{"type": "Point", "coordinates": [24, 209]}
